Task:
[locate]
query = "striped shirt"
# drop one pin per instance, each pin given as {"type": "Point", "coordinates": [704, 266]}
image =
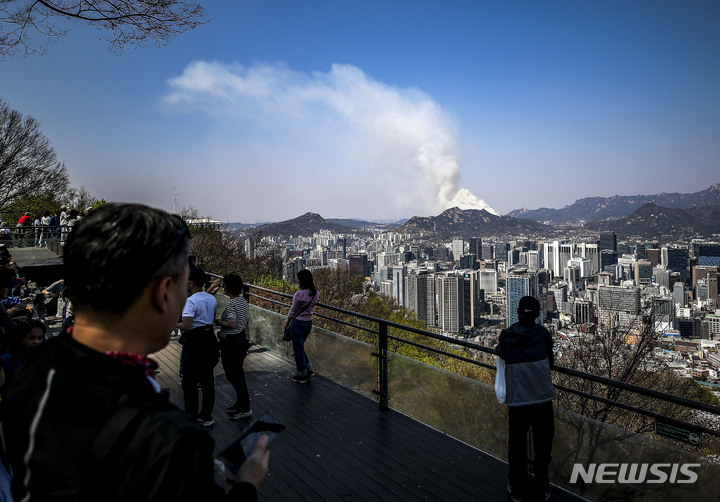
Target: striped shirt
{"type": "Point", "coordinates": [237, 310]}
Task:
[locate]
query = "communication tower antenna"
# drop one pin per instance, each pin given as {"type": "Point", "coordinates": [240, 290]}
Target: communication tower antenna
{"type": "Point", "coordinates": [174, 201]}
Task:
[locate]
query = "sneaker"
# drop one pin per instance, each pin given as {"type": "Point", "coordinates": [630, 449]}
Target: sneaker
{"type": "Point", "coordinates": [238, 414]}
{"type": "Point", "coordinates": [513, 497]}
{"type": "Point", "coordinates": [310, 373]}
{"type": "Point", "coordinates": [299, 379]}
{"type": "Point", "coordinates": [206, 423]}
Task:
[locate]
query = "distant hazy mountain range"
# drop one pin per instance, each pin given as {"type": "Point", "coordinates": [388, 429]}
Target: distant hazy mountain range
{"type": "Point", "coordinates": [618, 206]}
{"type": "Point", "coordinates": [681, 216]}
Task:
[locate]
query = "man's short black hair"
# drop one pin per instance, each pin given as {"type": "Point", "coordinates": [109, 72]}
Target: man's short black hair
{"type": "Point", "coordinates": [112, 255]}
{"type": "Point", "coordinates": [198, 276]}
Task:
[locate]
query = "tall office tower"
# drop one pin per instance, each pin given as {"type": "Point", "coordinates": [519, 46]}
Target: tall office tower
{"type": "Point", "coordinates": [428, 253]}
{"type": "Point", "coordinates": [550, 251]}
{"type": "Point", "coordinates": [471, 306]}
{"type": "Point", "coordinates": [709, 254]}
{"type": "Point", "coordinates": [533, 259]}
{"type": "Point", "coordinates": [501, 251]}
{"type": "Point", "coordinates": [679, 294]}
{"type": "Point", "coordinates": [487, 251]}
{"type": "Point", "coordinates": [421, 294]}
{"type": "Point", "coordinates": [675, 258]}
{"type": "Point", "coordinates": [643, 272]}
{"type": "Point", "coordinates": [607, 259]}
{"type": "Point", "coordinates": [592, 253]}
{"type": "Point", "coordinates": [513, 257]}
{"type": "Point", "coordinates": [703, 272]}
{"type": "Point", "coordinates": [653, 256]}
{"type": "Point", "coordinates": [582, 311]}
{"type": "Point", "coordinates": [449, 293]}
{"type": "Point", "coordinates": [458, 248]}
{"type": "Point", "coordinates": [476, 246]}
{"type": "Point", "coordinates": [469, 261]}
{"type": "Point", "coordinates": [558, 293]}
{"type": "Point", "coordinates": [519, 282]}
{"type": "Point", "coordinates": [386, 288]}
{"type": "Point", "coordinates": [712, 283]}
{"type": "Point", "coordinates": [625, 248]}
{"type": "Point", "coordinates": [583, 265]}
{"type": "Point", "coordinates": [619, 306]}
{"type": "Point", "coordinates": [398, 276]}
{"type": "Point", "coordinates": [572, 277]}
{"type": "Point", "coordinates": [567, 253]}
{"type": "Point", "coordinates": [387, 259]}
{"type": "Point", "coordinates": [701, 290]}
{"type": "Point", "coordinates": [250, 247]}
{"type": "Point", "coordinates": [359, 264]}
{"type": "Point", "coordinates": [608, 241]}
{"type": "Point", "coordinates": [488, 280]}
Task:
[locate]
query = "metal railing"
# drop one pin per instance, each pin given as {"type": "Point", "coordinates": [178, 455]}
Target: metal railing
{"type": "Point", "coordinates": [383, 377]}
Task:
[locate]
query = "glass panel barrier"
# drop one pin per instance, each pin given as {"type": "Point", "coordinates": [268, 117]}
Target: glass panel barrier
{"type": "Point", "coordinates": [334, 356]}
{"type": "Point", "coordinates": [468, 410]}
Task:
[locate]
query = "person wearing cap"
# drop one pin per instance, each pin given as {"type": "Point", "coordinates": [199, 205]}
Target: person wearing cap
{"type": "Point", "coordinates": [85, 419]}
{"type": "Point", "coordinates": [527, 350]}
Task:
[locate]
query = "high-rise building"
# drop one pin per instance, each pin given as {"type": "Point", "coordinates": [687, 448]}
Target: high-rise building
{"type": "Point", "coordinates": [488, 280]}
{"type": "Point", "coordinates": [399, 273]}
{"type": "Point", "coordinates": [619, 306]}
{"type": "Point", "coordinates": [643, 272]}
{"type": "Point", "coordinates": [501, 250]}
{"type": "Point", "coordinates": [519, 282]}
{"type": "Point", "coordinates": [475, 246]}
{"type": "Point", "coordinates": [675, 258]}
{"type": "Point", "coordinates": [421, 295]}
{"type": "Point", "coordinates": [469, 261]}
{"type": "Point", "coordinates": [653, 256]}
{"type": "Point", "coordinates": [359, 264]}
{"type": "Point", "coordinates": [449, 291]}
{"type": "Point", "coordinates": [608, 241]}
{"type": "Point", "coordinates": [709, 254]}
{"type": "Point", "coordinates": [458, 249]}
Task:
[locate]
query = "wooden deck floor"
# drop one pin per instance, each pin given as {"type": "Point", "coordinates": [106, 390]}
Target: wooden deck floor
{"type": "Point", "coordinates": [339, 446]}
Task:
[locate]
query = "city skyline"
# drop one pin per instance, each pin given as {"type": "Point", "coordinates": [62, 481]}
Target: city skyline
{"type": "Point", "coordinates": [382, 112]}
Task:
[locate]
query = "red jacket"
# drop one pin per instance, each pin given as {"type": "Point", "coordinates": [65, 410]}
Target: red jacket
{"type": "Point", "coordinates": [24, 219]}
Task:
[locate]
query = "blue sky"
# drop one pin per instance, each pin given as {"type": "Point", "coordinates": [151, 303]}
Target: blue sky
{"type": "Point", "coordinates": [388, 109]}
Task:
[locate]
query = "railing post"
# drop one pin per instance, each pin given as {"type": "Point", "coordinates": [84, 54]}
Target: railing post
{"type": "Point", "coordinates": [383, 365]}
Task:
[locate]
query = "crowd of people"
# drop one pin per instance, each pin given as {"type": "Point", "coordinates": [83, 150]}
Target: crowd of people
{"type": "Point", "coordinates": [43, 228]}
{"type": "Point", "coordinates": [82, 415]}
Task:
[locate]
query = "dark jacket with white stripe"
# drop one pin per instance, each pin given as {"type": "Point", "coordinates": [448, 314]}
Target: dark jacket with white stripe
{"type": "Point", "coordinates": [527, 352]}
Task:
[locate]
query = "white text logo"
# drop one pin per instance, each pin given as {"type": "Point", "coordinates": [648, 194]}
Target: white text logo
{"type": "Point", "coordinates": [635, 473]}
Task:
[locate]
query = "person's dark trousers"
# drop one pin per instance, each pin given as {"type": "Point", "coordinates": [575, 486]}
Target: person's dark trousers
{"type": "Point", "coordinates": [521, 419]}
{"type": "Point", "coordinates": [198, 358]}
{"type": "Point", "coordinates": [233, 351]}
{"type": "Point", "coordinates": [300, 330]}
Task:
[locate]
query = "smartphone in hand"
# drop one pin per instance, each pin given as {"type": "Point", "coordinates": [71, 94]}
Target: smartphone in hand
{"type": "Point", "coordinates": [232, 457]}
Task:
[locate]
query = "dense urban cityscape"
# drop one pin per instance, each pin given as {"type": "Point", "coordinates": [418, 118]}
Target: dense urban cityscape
{"type": "Point", "coordinates": [468, 287]}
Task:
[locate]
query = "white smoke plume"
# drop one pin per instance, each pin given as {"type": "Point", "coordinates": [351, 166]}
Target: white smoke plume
{"type": "Point", "coordinates": [401, 133]}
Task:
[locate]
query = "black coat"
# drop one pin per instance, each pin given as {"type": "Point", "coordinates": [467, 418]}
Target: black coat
{"type": "Point", "coordinates": [101, 432]}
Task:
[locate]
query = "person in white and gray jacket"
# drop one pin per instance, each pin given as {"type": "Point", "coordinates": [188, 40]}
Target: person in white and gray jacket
{"type": "Point", "coordinates": [527, 349]}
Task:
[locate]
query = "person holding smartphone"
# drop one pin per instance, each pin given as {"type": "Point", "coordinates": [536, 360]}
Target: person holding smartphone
{"type": "Point", "coordinates": [85, 418]}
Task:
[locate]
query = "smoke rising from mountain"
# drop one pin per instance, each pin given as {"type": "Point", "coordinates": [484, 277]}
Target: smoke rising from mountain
{"type": "Point", "coordinates": [400, 135]}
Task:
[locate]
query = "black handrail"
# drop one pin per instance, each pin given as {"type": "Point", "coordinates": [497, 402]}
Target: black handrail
{"type": "Point", "coordinates": [383, 337]}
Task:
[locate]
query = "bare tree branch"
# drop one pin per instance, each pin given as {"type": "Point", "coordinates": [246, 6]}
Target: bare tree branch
{"type": "Point", "coordinates": [123, 23]}
{"type": "Point", "coordinates": [28, 164]}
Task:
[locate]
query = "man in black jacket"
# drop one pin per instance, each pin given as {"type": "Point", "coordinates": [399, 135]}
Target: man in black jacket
{"type": "Point", "coordinates": [86, 420]}
{"type": "Point", "coordinates": [527, 349]}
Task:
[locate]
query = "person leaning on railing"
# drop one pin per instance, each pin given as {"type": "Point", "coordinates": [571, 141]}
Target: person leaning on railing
{"type": "Point", "coordinates": [85, 420]}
